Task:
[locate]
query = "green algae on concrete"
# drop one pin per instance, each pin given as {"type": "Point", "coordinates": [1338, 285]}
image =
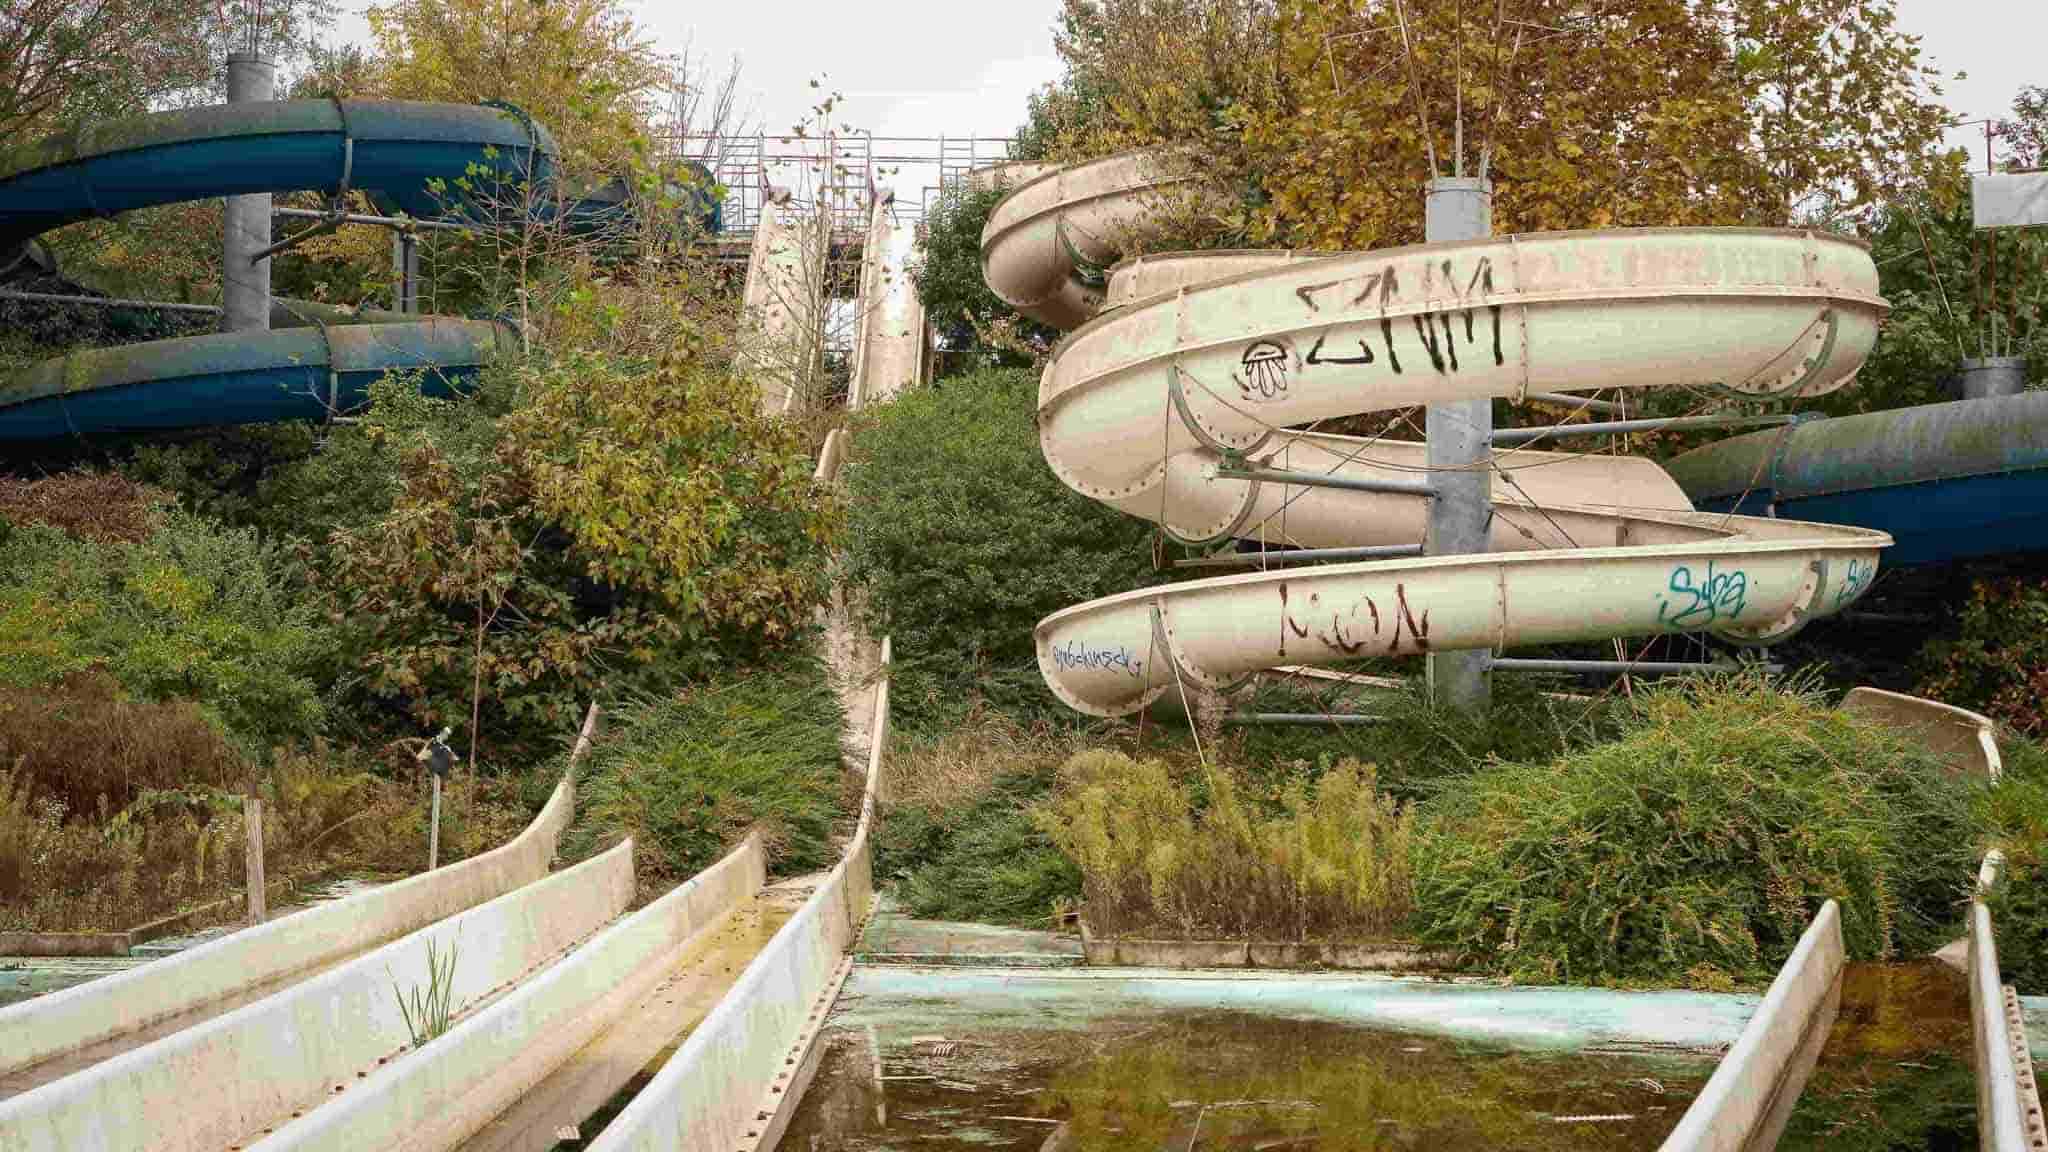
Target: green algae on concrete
{"type": "Point", "coordinates": [892, 936]}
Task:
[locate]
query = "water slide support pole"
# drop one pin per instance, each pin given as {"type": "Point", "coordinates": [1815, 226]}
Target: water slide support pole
{"type": "Point", "coordinates": [1460, 450]}
{"type": "Point", "coordinates": [245, 307]}
{"type": "Point", "coordinates": [245, 286]}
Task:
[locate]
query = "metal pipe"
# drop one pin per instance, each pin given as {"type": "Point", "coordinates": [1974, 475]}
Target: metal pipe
{"type": "Point", "coordinates": [1326, 480]}
{"type": "Point", "coordinates": [1586, 402]}
{"type": "Point", "coordinates": [106, 301]}
{"type": "Point", "coordinates": [381, 221]}
{"type": "Point", "coordinates": [1655, 424]}
{"type": "Point", "coordinates": [1299, 719]}
{"type": "Point", "coordinates": [1300, 556]}
{"type": "Point", "coordinates": [1639, 667]}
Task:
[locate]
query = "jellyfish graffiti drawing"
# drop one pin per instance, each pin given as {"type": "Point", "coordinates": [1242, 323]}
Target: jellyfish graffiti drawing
{"type": "Point", "coordinates": [1265, 371]}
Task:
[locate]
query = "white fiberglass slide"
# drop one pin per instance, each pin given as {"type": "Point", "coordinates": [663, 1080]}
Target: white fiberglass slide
{"type": "Point", "coordinates": [1208, 360]}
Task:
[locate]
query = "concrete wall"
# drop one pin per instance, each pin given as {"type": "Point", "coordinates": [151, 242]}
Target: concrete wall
{"type": "Point", "coordinates": [722, 1089]}
{"type": "Point", "coordinates": [1746, 1102]}
{"type": "Point", "coordinates": [439, 1095]}
{"type": "Point", "coordinates": [222, 1082]}
{"type": "Point", "coordinates": [1965, 739]}
{"type": "Point", "coordinates": [101, 1010]}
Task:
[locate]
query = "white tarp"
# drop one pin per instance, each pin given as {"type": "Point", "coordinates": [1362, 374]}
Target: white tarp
{"type": "Point", "coordinates": [2011, 200]}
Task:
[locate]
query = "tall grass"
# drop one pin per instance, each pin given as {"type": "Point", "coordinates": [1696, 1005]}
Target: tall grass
{"type": "Point", "coordinates": [1697, 846]}
{"type": "Point", "coordinates": [957, 837]}
{"type": "Point", "coordinates": [687, 774]}
{"type": "Point", "coordinates": [1328, 858]}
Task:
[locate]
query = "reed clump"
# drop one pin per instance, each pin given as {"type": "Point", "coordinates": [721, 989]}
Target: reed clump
{"type": "Point", "coordinates": [1200, 854]}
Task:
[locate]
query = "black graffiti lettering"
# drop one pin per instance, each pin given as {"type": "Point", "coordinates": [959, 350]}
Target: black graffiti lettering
{"type": "Point", "coordinates": [1418, 634]}
{"type": "Point", "coordinates": [1425, 331]}
{"type": "Point", "coordinates": [1307, 293]}
{"type": "Point", "coordinates": [1498, 360]}
{"type": "Point", "coordinates": [1450, 341]}
{"type": "Point", "coordinates": [1315, 355]}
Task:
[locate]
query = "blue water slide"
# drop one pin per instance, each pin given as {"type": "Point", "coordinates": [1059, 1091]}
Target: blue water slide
{"type": "Point", "coordinates": [427, 160]}
{"type": "Point", "coordinates": [1949, 481]}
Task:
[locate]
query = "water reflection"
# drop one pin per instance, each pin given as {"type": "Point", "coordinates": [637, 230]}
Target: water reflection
{"type": "Point", "coordinates": [1185, 1082]}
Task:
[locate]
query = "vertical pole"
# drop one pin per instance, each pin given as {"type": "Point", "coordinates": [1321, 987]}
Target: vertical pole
{"type": "Point", "coordinates": [1459, 451]}
{"type": "Point", "coordinates": [434, 829]}
{"type": "Point", "coordinates": [245, 281]}
{"type": "Point", "coordinates": [252, 815]}
{"type": "Point", "coordinates": [405, 272]}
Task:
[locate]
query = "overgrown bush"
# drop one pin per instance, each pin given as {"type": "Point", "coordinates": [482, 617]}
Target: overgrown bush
{"type": "Point", "coordinates": [1995, 657]}
{"type": "Point", "coordinates": [2016, 822]}
{"type": "Point", "coordinates": [78, 743]}
{"type": "Point", "coordinates": [957, 836]}
{"type": "Point", "coordinates": [962, 539]}
{"type": "Point", "coordinates": [192, 612]}
{"type": "Point", "coordinates": [687, 774]}
{"type": "Point", "coordinates": [1329, 859]}
{"type": "Point", "coordinates": [1698, 846]}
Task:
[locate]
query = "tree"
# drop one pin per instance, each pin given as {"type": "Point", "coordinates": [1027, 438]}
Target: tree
{"type": "Point", "coordinates": [64, 63]}
{"type": "Point", "coordinates": [1326, 116]}
{"type": "Point", "coordinates": [581, 67]}
{"type": "Point", "coordinates": [2026, 134]}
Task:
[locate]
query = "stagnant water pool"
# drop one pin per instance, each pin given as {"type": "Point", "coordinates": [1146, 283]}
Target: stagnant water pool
{"type": "Point", "coordinates": [1076, 1062]}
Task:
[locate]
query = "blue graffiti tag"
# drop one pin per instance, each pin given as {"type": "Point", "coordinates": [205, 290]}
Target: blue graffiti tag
{"type": "Point", "coordinates": [1715, 597]}
{"type": "Point", "coordinates": [1861, 573]}
{"type": "Point", "coordinates": [1077, 654]}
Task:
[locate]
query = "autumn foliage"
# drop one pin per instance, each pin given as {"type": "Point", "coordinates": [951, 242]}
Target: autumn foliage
{"type": "Point", "coordinates": [1327, 116]}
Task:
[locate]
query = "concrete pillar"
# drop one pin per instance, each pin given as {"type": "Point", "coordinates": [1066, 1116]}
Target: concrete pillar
{"type": "Point", "coordinates": [245, 287]}
{"type": "Point", "coordinates": [1994, 376]}
{"type": "Point", "coordinates": [1460, 446]}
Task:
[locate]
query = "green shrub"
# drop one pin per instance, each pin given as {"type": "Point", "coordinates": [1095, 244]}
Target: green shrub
{"type": "Point", "coordinates": [957, 838]}
{"type": "Point", "coordinates": [1326, 859]}
{"type": "Point", "coordinates": [193, 612]}
{"type": "Point", "coordinates": [686, 775]}
{"type": "Point", "coordinates": [962, 539]}
{"type": "Point", "coordinates": [1698, 846]}
{"type": "Point", "coordinates": [1995, 656]}
{"type": "Point", "coordinates": [2016, 819]}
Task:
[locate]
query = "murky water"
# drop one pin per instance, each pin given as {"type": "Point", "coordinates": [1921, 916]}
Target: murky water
{"type": "Point", "coordinates": [1895, 1074]}
{"type": "Point", "coordinates": [1185, 1080]}
{"type": "Point", "coordinates": [927, 1068]}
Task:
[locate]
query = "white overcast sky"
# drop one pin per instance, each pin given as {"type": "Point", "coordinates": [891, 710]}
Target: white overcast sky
{"type": "Point", "coordinates": [961, 67]}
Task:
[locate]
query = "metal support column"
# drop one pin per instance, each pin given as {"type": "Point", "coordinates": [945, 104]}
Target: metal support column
{"type": "Point", "coordinates": [1460, 449]}
{"type": "Point", "coordinates": [405, 271]}
{"type": "Point", "coordinates": [245, 280]}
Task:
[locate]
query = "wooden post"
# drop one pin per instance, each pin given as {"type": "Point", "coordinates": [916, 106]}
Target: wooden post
{"type": "Point", "coordinates": [252, 815]}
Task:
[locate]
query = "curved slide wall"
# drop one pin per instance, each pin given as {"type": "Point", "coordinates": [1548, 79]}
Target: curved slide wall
{"type": "Point", "coordinates": [730, 1085]}
{"type": "Point", "coordinates": [227, 1081]}
{"type": "Point", "coordinates": [1140, 405]}
{"type": "Point", "coordinates": [395, 150]}
{"type": "Point", "coordinates": [103, 1010]}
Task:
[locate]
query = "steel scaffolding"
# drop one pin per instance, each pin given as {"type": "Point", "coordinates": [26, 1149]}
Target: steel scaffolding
{"type": "Point", "coordinates": [841, 171]}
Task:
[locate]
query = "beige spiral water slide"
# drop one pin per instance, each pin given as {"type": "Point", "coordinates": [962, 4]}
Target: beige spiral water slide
{"type": "Point", "coordinates": [1182, 365]}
